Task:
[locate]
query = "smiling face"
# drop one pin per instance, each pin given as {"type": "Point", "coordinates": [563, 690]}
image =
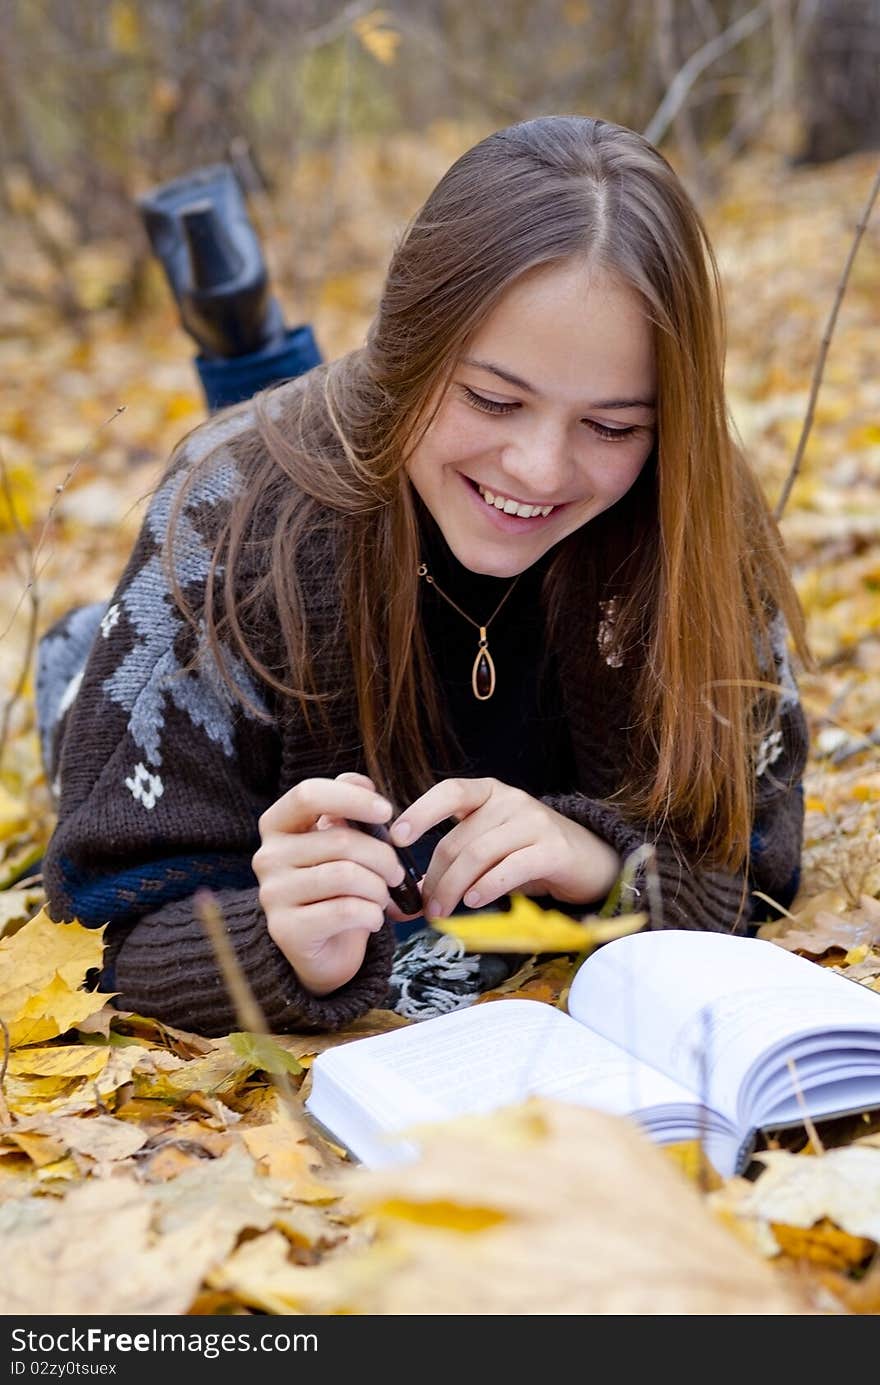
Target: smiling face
{"type": "Point", "coordinates": [551, 405]}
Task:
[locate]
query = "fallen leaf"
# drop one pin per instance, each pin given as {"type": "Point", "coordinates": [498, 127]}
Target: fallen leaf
{"type": "Point", "coordinates": [40, 1148]}
{"type": "Point", "coordinates": [96, 1247]}
{"type": "Point", "coordinates": [842, 1185]}
{"type": "Point", "coordinates": [823, 1244]}
{"type": "Point", "coordinates": [16, 904]}
{"type": "Point", "coordinates": [582, 1214]}
{"type": "Point", "coordinates": [282, 1151]}
{"type": "Point", "coordinates": [54, 1010]}
{"type": "Point", "coordinates": [263, 1053]}
{"type": "Point", "coordinates": [42, 967]}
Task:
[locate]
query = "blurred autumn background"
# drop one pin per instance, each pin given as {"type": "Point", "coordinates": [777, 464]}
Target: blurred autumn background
{"type": "Point", "coordinates": [338, 120]}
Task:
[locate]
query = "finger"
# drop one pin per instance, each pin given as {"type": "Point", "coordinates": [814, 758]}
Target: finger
{"type": "Point", "coordinates": [485, 856]}
{"type": "Point", "coordinates": [286, 852]}
{"type": "Point", "coordinates": [513, 873]}
{"type": "Point", "coordinates": [313, 926]}
{"type": "Point", "coordinates": [451, 798]}
{"type": "Point", "coordinates": [331, 880]}
{"type": "Point", "coordinates": [299, 809]}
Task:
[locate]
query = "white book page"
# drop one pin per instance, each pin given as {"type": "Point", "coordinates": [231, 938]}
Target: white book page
{"type": "Point", "coordinates": [484, 1057]}
{"type": "Point", "coordinates": [702, 1007]}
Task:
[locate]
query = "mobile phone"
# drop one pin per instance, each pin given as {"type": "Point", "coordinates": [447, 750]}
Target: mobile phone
{"type": "Point", "coordinates": [407, 895]}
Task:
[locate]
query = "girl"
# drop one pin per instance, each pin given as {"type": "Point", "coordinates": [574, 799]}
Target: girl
{"type": "Point", "coordinates": [501, 579]}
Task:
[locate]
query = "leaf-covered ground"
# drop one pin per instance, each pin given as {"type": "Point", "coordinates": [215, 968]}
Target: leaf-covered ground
{"type": "Point", "coordinates": [145, 1170]}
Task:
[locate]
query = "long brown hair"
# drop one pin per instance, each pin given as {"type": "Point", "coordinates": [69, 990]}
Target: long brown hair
{"type": "Point", "coordinates": [330, 457]}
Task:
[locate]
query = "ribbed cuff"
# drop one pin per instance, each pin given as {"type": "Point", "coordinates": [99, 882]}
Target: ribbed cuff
{"type": "Point", "coordinates": [674, 892]}
{"type": "Point", "coordinates": [164, 966]}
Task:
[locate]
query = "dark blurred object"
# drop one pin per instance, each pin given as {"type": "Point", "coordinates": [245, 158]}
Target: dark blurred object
{"type": "Point", "coordinates": [839, 96]}
{"type": "Point", "coordinates": [201, 233]}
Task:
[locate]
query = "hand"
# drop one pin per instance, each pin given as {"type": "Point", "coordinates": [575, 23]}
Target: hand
{"type": "Point", "coordinates": [323, 884]}
{"type": "Point", "coordinates": [505, 840]}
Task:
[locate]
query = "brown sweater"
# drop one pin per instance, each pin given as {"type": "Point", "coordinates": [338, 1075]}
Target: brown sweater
{"type": "Point", "coordinates": [163, 777]}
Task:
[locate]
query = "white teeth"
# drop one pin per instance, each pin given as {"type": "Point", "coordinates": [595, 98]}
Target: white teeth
{"type": "Point", "coordinates": [512, 507]}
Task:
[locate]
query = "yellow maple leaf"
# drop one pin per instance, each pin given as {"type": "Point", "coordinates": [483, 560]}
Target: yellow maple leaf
{"type": "Point", "coordinates": [30, 959]}
{"type": "Point", "coordinates": [529, 928]}
{"type": "Point", "coordinates": [52, 1011]}
{"type": "Point", "coordinates": [42, 967]}
{"type": "Point", "coordinates": [64, 1061]}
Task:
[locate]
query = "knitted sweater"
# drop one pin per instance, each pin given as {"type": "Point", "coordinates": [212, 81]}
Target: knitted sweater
{"type": "Point", "coordinates": [163, 774]}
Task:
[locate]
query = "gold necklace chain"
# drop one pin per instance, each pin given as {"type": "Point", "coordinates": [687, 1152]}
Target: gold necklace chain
{"type": "Point", "coordinates": [483, 671]}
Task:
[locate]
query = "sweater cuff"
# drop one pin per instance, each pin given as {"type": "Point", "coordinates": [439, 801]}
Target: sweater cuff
{"type": "Point", "coordinates": [673, 891]}
{"type": "Point", "coordinates": [164, 966]}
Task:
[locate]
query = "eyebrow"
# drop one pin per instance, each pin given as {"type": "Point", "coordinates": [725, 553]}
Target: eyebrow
{"type": "Point", "coordinates": [530, 389]}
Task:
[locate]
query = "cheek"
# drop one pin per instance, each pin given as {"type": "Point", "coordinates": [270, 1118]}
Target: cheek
{"type": "Point", "coordinates": [454, 438]}
{"type": "Point", "coordinates": [614, 477]}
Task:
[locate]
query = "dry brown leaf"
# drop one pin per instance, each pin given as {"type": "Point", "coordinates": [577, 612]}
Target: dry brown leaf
{"type": "Point", "coordinates": [40, 1148]}
{"type": "Point", "coordinates": [546, 981]}
{"type": "Point", "coordinates": [281, 1150]}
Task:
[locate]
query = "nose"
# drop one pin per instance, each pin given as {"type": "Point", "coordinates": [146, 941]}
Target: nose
{"type": "Point", "coordinates": [538, 464]}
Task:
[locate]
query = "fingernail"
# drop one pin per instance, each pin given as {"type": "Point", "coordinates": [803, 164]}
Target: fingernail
{"type": "Point", "coordinates": [472, 898]}
{"type": "Point", "coordinates": [401, 832]}
{"type": "Point", "coordinates": [434, 908]}
{"type": "Point", "coordinates": [383, 805]}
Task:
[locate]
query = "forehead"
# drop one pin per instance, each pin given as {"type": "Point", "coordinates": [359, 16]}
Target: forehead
{"type": "Point", "coordinates": [566, 330]}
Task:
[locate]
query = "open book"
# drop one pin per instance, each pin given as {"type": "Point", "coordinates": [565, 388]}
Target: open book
{"type": "Point", "coordinates": [692, 1035]}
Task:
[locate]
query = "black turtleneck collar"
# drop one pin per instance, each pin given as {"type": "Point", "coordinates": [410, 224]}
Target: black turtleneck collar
{"type": "Point", "coordinates": [519, 735]}
{"type": "Point", "coordinates": [476, 592]}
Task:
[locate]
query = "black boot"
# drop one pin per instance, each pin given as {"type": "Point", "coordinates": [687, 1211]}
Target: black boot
{"type": "Point", "coordinates": [200, 231]}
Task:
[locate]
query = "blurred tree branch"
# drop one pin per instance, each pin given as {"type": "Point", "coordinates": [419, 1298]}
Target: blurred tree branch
{"type": "Point", "coordinates": [697, 63]}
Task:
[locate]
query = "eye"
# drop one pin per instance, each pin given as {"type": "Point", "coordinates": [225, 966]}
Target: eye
{"type": "Point", "coordinates": [488, 406]}
{"type": "Point", "coordinates": [612, 434]}
{"type": "Point", "coordinates": [492, 406]}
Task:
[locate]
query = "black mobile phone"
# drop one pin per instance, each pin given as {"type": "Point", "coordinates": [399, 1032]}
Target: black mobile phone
{"type": "Point", "coordinates": [407, 895]}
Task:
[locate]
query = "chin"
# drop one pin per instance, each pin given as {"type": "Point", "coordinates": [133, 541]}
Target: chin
{"type": "Point", "coordinates": [484, 565]}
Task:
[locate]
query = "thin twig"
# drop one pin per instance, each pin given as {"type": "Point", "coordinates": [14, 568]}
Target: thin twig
{"type": "Point", "coordinates": [705, 1166]}
{"type": "Point", "coordinates": [33, 619]}
{"type": "Point", "coordinates": [50, 514]}
{"type": "Point", "coordinates": [247, 1009]}
{"type": "Point", "coordinates": [768, 899]}
{"type": "Point", "coordinates": [698, 62]}
{"type": "Point", "coordinates": [30, 591]}
{"type": "Point", "coordinates": [5, 1117]}
{"type": "Point", "coordinates": [826, 342]}
{"type": "Point", "coordinates": [686, 136]}
{"type": "Point", "coordinates": [799, 1097]}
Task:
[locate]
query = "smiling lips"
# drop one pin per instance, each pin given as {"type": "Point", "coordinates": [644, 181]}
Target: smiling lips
{"type": "Point", "coordinates": [509, 506]}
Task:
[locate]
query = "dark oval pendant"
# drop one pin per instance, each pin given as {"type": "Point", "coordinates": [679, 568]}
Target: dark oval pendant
{"type": "Point", "coordinates": [483, 676]}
